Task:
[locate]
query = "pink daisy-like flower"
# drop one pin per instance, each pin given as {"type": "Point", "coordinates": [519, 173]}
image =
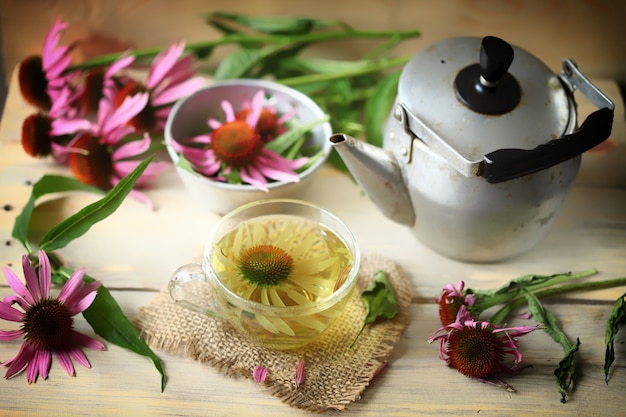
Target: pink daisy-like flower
{"type": "Point", "coordinates": [271, 124]}
{"type": "Point", "coordinates": [450, 302]}
{"type": "Point", "coordinates": [477, 349]}
{"type": "Point", "coordinates": [46, 321]}
{"type": "Point", "coordinates": [45, 79]}
{"type": "Point", "coordinates": [170, 77]}
{"type": "Point", "coordinates": [100, 153]}
{"type": "Point", "coordinates": [237, 145]}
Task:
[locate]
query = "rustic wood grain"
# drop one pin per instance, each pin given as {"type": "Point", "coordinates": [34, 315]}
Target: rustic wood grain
{"type": "Point", "coordinates": [589, 232]}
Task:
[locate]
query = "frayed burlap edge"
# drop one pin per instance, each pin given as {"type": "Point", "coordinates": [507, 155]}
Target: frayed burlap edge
{"type": "Point", "coordinates": [335, 374]}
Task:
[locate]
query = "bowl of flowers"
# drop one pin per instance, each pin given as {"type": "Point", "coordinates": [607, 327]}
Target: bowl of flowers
{"type": "Point", "coordinates": [237, 141]}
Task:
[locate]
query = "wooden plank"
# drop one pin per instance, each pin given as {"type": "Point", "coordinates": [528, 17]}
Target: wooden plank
{"type": "Point", "coordinates": [415, 382]}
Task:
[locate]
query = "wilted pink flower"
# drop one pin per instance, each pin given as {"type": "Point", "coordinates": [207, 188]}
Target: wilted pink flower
{"type": "Point", "coordinates": [46, 322]}
{"type": "Point", "coordinates": [477, 349]}
{"type": "Point", "coordinates": [450, 302]}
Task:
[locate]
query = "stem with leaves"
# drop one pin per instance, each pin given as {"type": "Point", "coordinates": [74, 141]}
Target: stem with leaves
{"type": "Point", "coordinates": [104, 314]}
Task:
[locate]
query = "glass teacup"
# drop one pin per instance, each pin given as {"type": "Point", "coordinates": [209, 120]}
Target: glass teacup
{"type": "Point", "coordinates": [279, 270]}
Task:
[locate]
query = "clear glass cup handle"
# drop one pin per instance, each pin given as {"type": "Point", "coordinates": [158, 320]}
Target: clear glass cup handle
{"type": "Point", "coordinates": [189, 287]}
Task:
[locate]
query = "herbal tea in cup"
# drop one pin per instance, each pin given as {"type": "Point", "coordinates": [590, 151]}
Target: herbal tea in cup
{"type": "Point", "coordinates": [279, 270]}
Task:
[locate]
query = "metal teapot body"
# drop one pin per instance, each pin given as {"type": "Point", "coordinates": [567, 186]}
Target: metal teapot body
{"type": "Point", "coordinates": [478, 173]}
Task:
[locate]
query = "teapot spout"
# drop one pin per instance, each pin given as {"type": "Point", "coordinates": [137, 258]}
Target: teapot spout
{"type": "Point", "coordinates": [379, 175]}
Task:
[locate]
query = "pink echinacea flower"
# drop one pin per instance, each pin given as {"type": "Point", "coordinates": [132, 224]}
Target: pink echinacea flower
{"type": "Point", "coordinates": [46, 321]}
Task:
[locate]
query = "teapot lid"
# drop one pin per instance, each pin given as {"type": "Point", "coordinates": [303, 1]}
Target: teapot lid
{"type": "Point", "coordinates": [482, 94]}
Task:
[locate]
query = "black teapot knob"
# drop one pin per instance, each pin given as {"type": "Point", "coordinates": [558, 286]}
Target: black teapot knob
{"type": "Point", "coordinates": [487, 87]}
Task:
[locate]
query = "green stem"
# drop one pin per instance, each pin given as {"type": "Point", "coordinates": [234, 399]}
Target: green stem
{"type": "Point", "coordinates": [493, 300]}
{"type": "Point", "coordinates": [312, 78]}
{"type": "Point", "coordinates": [504, 312]}
{"type": "Point", "coordinates": [239, 38]}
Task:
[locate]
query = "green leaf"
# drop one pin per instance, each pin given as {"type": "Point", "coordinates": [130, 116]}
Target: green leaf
{"type": "Point", "coordinates": [324, 66]}
{"type": "Point", "coordinates": [378, 105]}
{"type": "Point", "coordinates": [240, 62]}
{"type": "Point", "coordinates": [379, 300]}
{"type": "Point", "coordinates": [79, 223]}
{"type": "Point", "coordinates": [184, 163]}
{"type": "Point", "coordinates": [271, 25]}
{"type": "Point", "coordinates": [565, 372]}
{"type": "Point", "coordinates": [617, 317]}
{"type": "Point", "coordinates": [48, 184]}
{"type": "Point", "coordinates": [283, 142]}
{"type": "Point", "coordinates": [108, 321]}
{"type": "Point", "coordinates": [567, 366]}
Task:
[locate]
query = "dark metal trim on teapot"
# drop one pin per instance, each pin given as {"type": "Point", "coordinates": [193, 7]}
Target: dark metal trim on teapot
{"type": "Point", "coordinates": [507, 164]}
{"type": "Point", "coordinates": [488, 87]}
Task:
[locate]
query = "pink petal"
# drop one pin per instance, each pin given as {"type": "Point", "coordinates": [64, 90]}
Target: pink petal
{"type": "Point", "coordinates": [259, 374]}
{"type": "Point", "coordinates": [256, 108]}
{"type": "Point", "coordinates": [66, 127]}
{"type": "Point", "coordinates": [299, 373]}
{"type": "Point", "coordinates": [163, 63]}
{"type": "Point", "coordinates": [39, 365]}
{"type": "Point", "coordinates": [182, 70]}
{"type": "Point", "coordinates": [80, 357]}
{"type": "Point", "coordinates": [253, 177]}
{"type": "Point", "coordinates": [76, 298]}
{"type": "Point", "coordinates": [229, 113]}
{"type": "Point", "coordinates": [65, 361]}
{"type": "Point", "coordinates": [130, 107]}
{"type": "Point", "coordinates": [44, 274]}
{"type": "Point", "coordinates": [132, 148]}
{"type": "Point", "coordinates": [16, 365]}
{"type": "Point", "coordinates": [141, 197]}
{"type": "Point", "coordinates": [45, 361]}
{"type": "Point", "coordinates": [15, 299]}
{"type": "Point", "coordinates": [10, 334]}
{"type": "Point", "coordinates": [30, 276]}
{"type": "Point", "coordinates": [73, 285]}
{"type": "Point", "coordinates": [17, 286]}
{"type": "Point", "coordinates": [286, 116]}
{"type": "Point", "coordinates": [83, 304]}
{"type": "Point", "coordinates": [9, 313]}
{"type": "Point", "coordinates": [123, 168]}
{"type": "Point", "coordinates": [278, 175]}
{"type": "Point", "coordinates": [51, 41]}
{"type": "Point", "coordinates": [174, 93]}
{"type": "Point", "coordinates": [87, 341]}
{"type": "Point", "coordinates": [214, 124]}
{"type": "Point", "coordinates": [123, 61]}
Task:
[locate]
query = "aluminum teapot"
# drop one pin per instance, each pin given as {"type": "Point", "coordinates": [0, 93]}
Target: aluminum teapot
{"type": "Point", "coordinates": [480, 148]}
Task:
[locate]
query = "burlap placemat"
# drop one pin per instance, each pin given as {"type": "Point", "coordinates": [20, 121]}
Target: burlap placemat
{"type": "Point", "coordinates": [335, 374]}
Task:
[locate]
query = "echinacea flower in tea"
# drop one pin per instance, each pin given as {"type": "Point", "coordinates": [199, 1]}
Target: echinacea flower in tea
{"type": "Point", "coordinates": [283, 261]}
{"type": "Point", "coordinates": [47, 324]}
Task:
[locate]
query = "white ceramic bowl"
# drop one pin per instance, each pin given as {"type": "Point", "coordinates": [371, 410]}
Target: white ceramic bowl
{"type": "Point", "coordinates": [189, 118]}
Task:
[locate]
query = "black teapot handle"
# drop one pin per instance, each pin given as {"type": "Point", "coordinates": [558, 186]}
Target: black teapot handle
{"type": "Point", "coordinates": [507, 164]}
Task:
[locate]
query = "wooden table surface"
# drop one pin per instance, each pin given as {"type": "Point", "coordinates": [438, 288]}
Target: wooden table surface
{"type": "Point", "coordinates": [135, 250]}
